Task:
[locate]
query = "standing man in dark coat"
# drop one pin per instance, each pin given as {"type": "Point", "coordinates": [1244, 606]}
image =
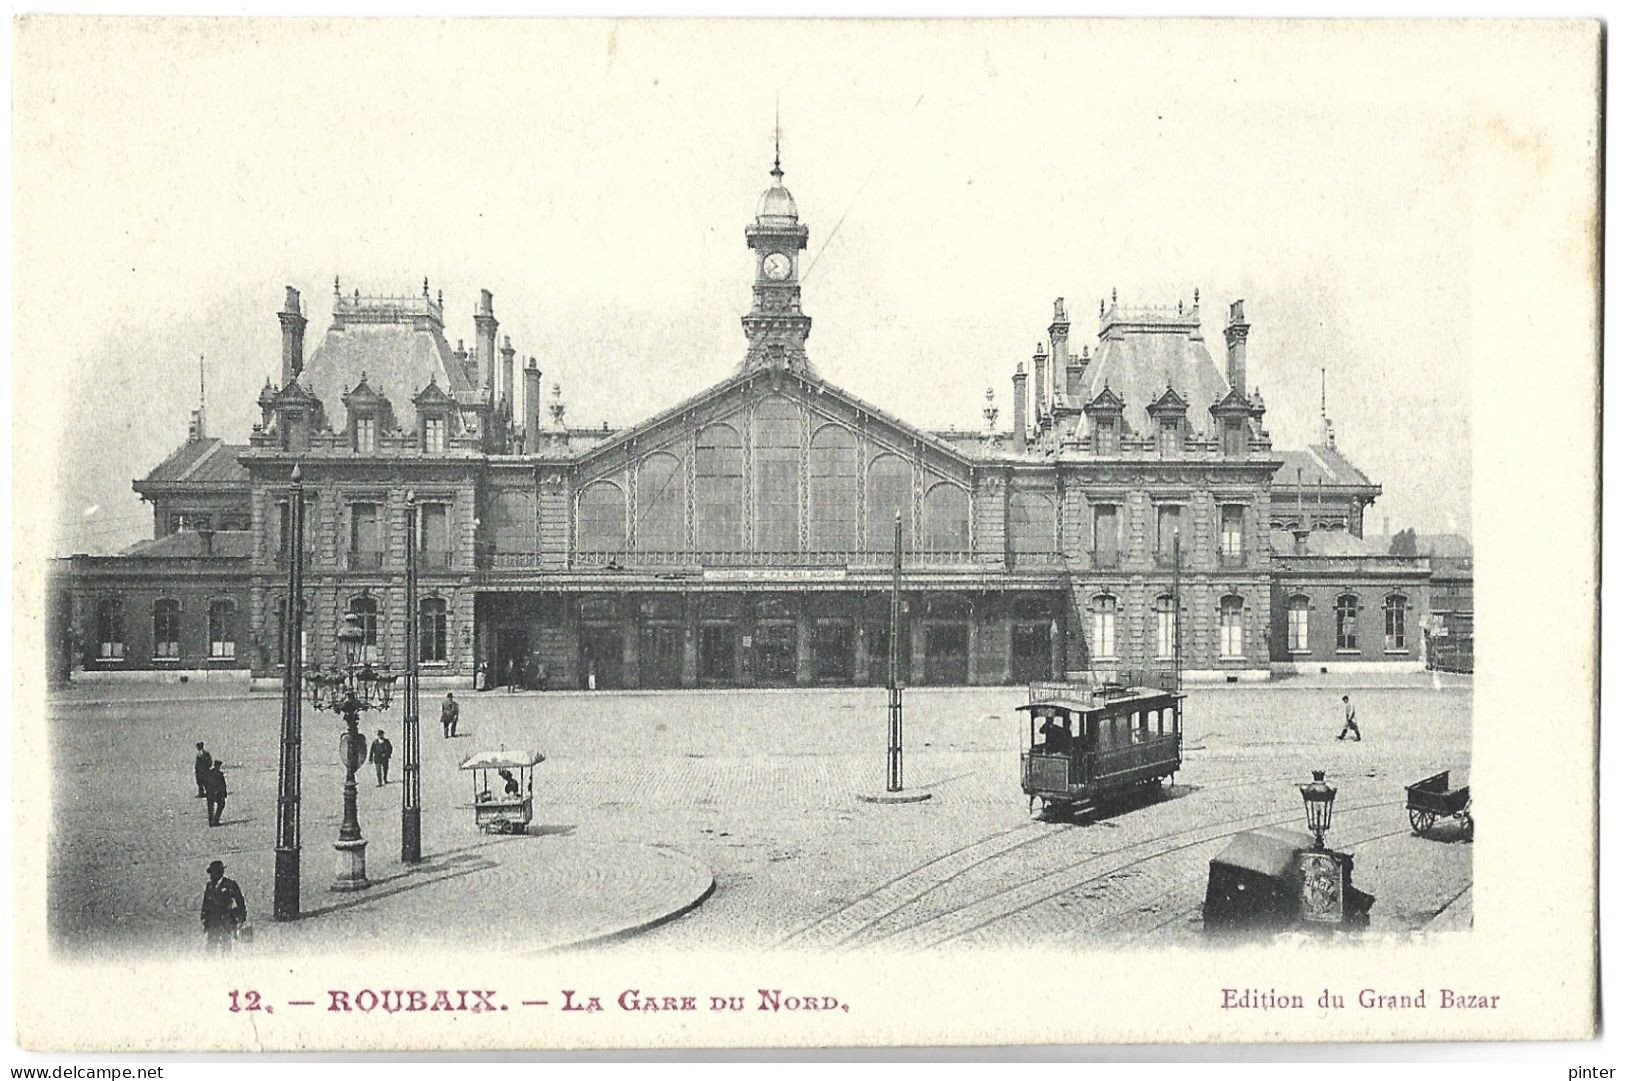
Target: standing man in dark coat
{"type": "Point", "coordinates": [223, 909]}
{"type": "Point", "coordinates": [448, 716]}
{"type": "Point", "coordinates": [214, 788]}
{"type": "Point", "coordinates": [201, 768]}
{"type": "Point", "coordinates": [380, 754]}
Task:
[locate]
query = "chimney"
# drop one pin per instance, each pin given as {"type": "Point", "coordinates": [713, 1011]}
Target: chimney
{"type": "Point", "coordinates": [485, 346]}
{"type": "Point", "coordinates": [1058, 330]}
{"type": "Point", "coordinates": [1018, 415]}
{"type": "Point", "coordinates": [533, 406]}
{"type": "Point", "coordinates": [1075, 367]}
{"type": "Point", "coordinates": [293, 336]}
{"type": "Point", "coordinates": [1235, 340]}
{"type": "Point", "coordinates": [1040, 384]}
{"type": "Point", "coordinates": [507, 373]}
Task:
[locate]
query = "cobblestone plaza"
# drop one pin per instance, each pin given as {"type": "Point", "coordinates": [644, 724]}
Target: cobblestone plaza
{"type": "Point", "coordinates": [760, 788]}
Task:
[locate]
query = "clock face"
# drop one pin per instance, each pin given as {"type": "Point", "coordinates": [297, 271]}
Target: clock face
{"type": "Point", "coordinates": [776, 266]}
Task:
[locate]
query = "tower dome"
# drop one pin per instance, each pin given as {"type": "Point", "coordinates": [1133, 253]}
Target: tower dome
{"type": "Point", "coordinates": [777, 204]}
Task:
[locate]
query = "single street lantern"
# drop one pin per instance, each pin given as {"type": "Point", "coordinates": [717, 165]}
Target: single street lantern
{"type": "Point", "coordinates": [1318, 797]}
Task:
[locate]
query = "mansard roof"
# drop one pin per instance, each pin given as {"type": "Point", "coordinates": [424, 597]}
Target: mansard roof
{"type": "Point", "coordinates": [1324, 466]}
{"type": "Point", "coordinates": [190, 544]}
{"type": "Point", "coordinates": [1143, 351]}
{"type": "Point", "coordinates": [397, 343]}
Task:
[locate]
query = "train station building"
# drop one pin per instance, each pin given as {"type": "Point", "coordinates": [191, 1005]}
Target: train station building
{"type": "Point", "coordinates": [743, 536]}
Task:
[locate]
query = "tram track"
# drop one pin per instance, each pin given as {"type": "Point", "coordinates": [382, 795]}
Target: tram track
{"type": "Point", "coordinates": [1002, 903]}
{"type": "Point", "coordinates": [839, 928]}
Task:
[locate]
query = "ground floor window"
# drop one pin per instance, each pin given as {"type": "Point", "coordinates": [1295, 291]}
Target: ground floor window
{"type": "Point", "coordinates": [166, 630]}
{"type": "Point", "coordinates": [1230, 637]}
{"type": "Point", "coordinates": [1393, 622]}
{"type": "Point", "coordinates": [222, 630]}
{"type": "Point", "coordinates": [110, 629]}
{"type": "Point", "coordinates": [432, 630]}
{"type": "Point", "coordinates": [1105, 627]}
{"type": "Point", "coordinates": [1166, 627]}
{"type": "Point", "coordinates": [1297, 625]}
{"type": "Point", "coordinates": [1348, 608]}
{"type": "Point", "coordinates": [832, 651]}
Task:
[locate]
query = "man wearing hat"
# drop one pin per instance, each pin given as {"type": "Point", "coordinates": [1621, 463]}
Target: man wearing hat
{"type": "Point", "coordinates": [381, 752]}
{"type": "Point", "coordinates": [223, 909]}
{"type": "Point", "coordinates": [200, 769]}
{"type": "Point", "coordinates": [1348, 721]}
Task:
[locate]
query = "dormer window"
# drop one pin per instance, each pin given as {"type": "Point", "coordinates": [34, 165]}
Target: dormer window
{"type": "Point", "coordinates": [434, 435]}
{"type": "Point", "coordinates": [1169, 438]}
{"type": "Point", "coordinates": [1107, 437]}
{"type": "Point", "coordinates": [366, 434]}
{"type": "Point", "coordinates": [1235, 439]}
{"type": "Point", "coordinates": [295, 433]}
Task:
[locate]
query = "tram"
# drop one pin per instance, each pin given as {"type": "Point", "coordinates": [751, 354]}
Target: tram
{"type": "Point", "coordinates": [1088, 744]}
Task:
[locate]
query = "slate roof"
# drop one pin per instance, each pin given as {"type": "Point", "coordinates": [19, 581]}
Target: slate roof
{"type": "Point", "coordinates": [1329, 542]}
{"type": "Point", "coordinates": [397, 348]}
{"type": "Point", "coordinates": [200, 461]}
{"type": "Point", "coordinates": [1437, 545]}
{"type": "Point", "coordinates": [1320, 465]}
{"type": "Point", "coordinates": [235, 544]}
{"type": "Point", "coordinates": [1144, 352]}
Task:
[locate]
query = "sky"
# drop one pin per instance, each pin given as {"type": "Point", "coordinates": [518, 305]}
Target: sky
{"type": "Point", "coordinates": [597, 178]}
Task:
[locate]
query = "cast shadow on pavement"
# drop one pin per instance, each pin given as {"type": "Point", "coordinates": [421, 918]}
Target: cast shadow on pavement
{"type": "Point", "coordinates": [428, 873]}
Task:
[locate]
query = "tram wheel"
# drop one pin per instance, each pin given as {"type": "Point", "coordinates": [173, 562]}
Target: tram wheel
{"type": "Point", "coordinates": [1421, 820]}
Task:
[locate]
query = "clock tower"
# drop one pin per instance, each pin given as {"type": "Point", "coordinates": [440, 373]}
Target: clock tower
{"type": "Point", "coordinates": [775, 326]}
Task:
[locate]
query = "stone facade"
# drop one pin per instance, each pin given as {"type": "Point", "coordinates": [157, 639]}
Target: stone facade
{"type": "Point", "coordinates": [1121, 523]}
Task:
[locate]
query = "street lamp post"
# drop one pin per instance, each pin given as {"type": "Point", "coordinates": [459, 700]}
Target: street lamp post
{"type": "Point", "coordinates": [285, 899]}
{"type": "Point", "coordinates": [1317, 806]}
{"type": "Point", "coordinates": [411, 792]}
{"type": "Point", "coordinates": [894, 687]}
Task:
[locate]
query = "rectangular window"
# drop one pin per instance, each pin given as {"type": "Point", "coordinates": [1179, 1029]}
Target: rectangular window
{"type": "Point", "coordinates": [434, 435]}
{"type": "Point", "coordinates": [432, 631]}
{"type": "Point", "coordinates": [1394, 625]}
{"type": "Point", "coordinates": [1168, 531]}
{"type": "Point", "coordinates": [1235, 440]}
{"type": "Point", "coordinates": [366, 542]}
{"type": "Point", "coordinates": [365, 433]}
{"type": "Point", "coordinates": [1230, 534]}
{"type": "Point", "coordinates": [1347, 612]}
{"type": "Point", "coordinates": [1230, 628]}
{"type": "Point", "coordinates": [1168, 440]}
{"type": "Point", "coordinates": [110, 630]}
{"type": "Point", "coordinates": [434, 535]}
{"type": "Point", "coordinates": [166, 630]}
{"type": "Point", "coordinates": [1106, 437]}
{"type": "Point", "coordinates": [1105, 535]}
{"type": "Point", "coordinates": [1105, 628]}
{"type": "Point", "coordinates": [1166, 628]}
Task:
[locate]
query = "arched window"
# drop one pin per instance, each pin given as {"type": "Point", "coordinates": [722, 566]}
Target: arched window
{"type": "Point", "coordinates": [947, 519]}
{"type": "Point", "coordinates": [1032, 522]}
{"type": "Point", "coordinates": [166, 630]}
{"type": "Point", "coordinates": [110, 629]}
{"type": "Point", "coordinates": [1105, 626]}
{"type": "Point", "coordinates": [1167, 628]}
{"type": "Point", "coordinates": [367, 608]}
{"type": "Point", "coordinates": [601, 518]}
{"type": "Point", "coordinates": [1297, 624]}
{"type": "Point", "coordinates": [776, 446]}
{"type": "Point", "coordinates": [222, 630]}
{"type": "Point", "coordinates": [719, 490]}
{"type": "Point", "coordinates": [891, 492]}
{"type": "Point", "coordinates": [834, 495]}
{"type": "Point", "coordinates": [1348, 610]}
{"type": "Point", "coordinates": [661, 492]}
{"type": "Point", "coordinates": [432, 630]}
{"type": "Point", "coordinates": [1230, 627]}
{"type": "Point", "coordinates": [1393, 623]}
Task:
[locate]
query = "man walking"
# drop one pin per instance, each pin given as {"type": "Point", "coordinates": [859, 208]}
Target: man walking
{"type": "Point", "coordinates": [1348, 721]}
{"type": "Point", "coordinates": [201, 768]}
{"type": "Point", "coordinates": [223, 909]}
{"type": "Point", "coordinates": [448, 716]}
{"type": "Point", "coordinates": [214, 789]}
{"type": "Point", "coordinates": [380, 754]}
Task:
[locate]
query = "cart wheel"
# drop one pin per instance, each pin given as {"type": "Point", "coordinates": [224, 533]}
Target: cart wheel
{"type": "Point", "coordinates": [1421, 820]}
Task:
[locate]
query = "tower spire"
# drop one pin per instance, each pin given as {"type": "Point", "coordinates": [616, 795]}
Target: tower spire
{"type": "Point", "coordinates": [777, 171]}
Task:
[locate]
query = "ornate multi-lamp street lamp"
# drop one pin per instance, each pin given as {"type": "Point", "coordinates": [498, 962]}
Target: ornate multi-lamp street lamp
{"type": "Point", "coordinates": [1317, 806]}
{"type": "Point", "coordinates": [349, 690]}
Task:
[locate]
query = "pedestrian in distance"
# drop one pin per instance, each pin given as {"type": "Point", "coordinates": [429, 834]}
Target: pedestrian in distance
{"type": "Point", "coordinates": [201, 768]}
{"type": "Point", "coordinates": [224, 912]}
{"type": "Point", "coordinates": [1348, 721]}
{"type": "Point", "coordinates": [513, 674]}
{"type": "Point", "coordinates": [380, 754]}
{"type": "Point", "coordinates": [448, 716]}
{"type": "Point", "coordinates": [214, 789]}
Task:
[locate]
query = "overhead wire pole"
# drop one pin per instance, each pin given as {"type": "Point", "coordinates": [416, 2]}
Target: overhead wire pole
{"type": "Point", "coordinates": [894, 689]}
{"type": "Point", "coordinates": [285, 899]}
{"type": "Point", "coordinates": [411, 760]}
{"type": "Point", "coordinates": [1179, 666]}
